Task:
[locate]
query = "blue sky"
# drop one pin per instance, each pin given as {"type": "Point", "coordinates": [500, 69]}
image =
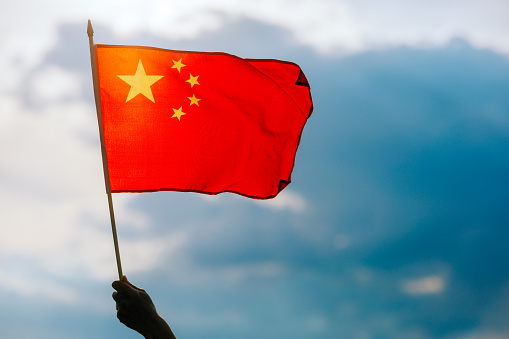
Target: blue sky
{"type": "Point", "coordinates": [395, 224]}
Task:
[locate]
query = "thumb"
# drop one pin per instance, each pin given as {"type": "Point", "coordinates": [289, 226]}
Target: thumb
{"type": "Point", "coordinates": [125, 281]}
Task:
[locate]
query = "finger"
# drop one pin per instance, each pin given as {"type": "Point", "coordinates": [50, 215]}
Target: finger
{"type": "Point", "coordinates": [124, 279]}
{"type": "Point", "coordinates": [121, 286]}
{"type": "Point", "coordinates": [118, 297]}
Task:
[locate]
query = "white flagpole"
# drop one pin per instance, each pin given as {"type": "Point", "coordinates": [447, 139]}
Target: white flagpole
{"type": "Point", "coordinates": [93, 60]}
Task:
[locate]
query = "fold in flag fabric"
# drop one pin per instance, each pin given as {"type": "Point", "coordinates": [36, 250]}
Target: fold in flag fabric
{"type": "Point", "coordinates": [199, 122]}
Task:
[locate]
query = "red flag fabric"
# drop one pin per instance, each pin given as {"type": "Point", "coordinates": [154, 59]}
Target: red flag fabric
{"type": "Point", "coordinates": [199, 122]}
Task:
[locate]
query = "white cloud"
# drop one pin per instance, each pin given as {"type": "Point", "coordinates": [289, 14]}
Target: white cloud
{"type": "Point", "coordinates": [342, 241]}
{"type": "Point", "coordinates": [363, 275]}
{"type": "Point", "coordinates": [23, 284]}
{"type": "Point", "coordinates": [249, 272]}
{"type": "Point", "coordinates": [286, 200]}
{"type": "Point", "coordinates": [28, 27]}
{"type": "Point", "coordinates": [317, 323]}
{"type": "Point", "coordinates": [54, 83]}
{"type": "Point", "coordinates": [235, 275]}
{"type": "Point", "coordinates": [140, 255]}
{"type": "Point", "coordinates": [432, 284]}
{"type": "Point", "coordinates": [51, 181]}
{"type": "Point", "coordinates": [54, 208]}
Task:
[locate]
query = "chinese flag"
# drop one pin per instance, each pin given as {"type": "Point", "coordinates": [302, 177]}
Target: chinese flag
{"type": "Point", "coordinates": [199, 122]}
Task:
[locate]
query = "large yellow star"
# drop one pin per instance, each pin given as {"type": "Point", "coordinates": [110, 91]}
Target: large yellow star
{"type": "Point", "coordinates": [194, 100]}
{"type": "Point", "coordinates": [178, 113]}
{"type": "Point", "coordinates": [140, 83]}
{"type": "Point", "coordinates": [178, 64]}
{"type": "Point", "coordinates": [193, 80]}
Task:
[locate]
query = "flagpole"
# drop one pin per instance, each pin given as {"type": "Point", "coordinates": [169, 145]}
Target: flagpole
{"type": "Point", "coordinates": [93, 61]}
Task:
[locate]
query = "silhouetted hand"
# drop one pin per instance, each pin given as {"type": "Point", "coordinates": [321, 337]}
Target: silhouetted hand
{"type": "Point", "coordinates": [136, 310]}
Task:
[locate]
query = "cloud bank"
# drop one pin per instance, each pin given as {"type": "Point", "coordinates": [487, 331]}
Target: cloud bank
{"type": "Point", "coordinates": [394, 224]}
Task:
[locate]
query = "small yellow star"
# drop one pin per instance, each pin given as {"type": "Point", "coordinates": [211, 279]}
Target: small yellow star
{"type": "Point", "coordinates": [140, 83]}
{"type": "Point", "coordinates": [193, 80]}
{"type": "Point", "coordinates": [178, 113]}
{"type": "Point", "coordinates": [194, 100]}
{"type": "Point", "coordinates": [178, 64]}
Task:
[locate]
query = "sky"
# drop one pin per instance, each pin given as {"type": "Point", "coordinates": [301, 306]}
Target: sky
{"type": "Point", "coordinates": [395, 224]}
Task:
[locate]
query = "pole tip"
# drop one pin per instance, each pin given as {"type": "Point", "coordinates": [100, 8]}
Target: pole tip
{"type": "Point", "coordinates": [90, 30]}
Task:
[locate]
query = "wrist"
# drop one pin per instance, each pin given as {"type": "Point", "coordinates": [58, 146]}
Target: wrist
{"type": "Point", "coordinates": [160, 330]}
